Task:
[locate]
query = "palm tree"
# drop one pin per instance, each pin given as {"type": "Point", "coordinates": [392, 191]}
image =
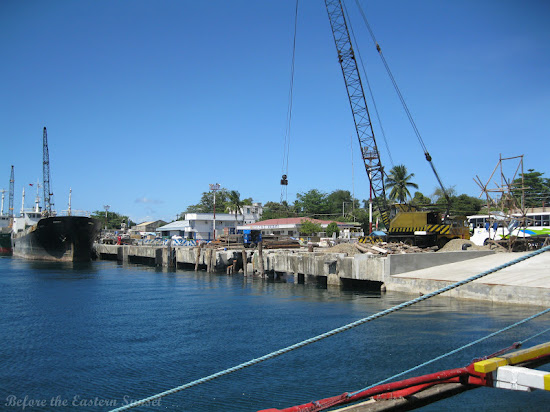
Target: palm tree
{"type": "Point", "coordinates": [399, 181]}
{"type": "Point", "coordinates": [234, 203]}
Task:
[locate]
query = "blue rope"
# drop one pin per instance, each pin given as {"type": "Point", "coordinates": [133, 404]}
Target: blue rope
{"type": "Point", "coordinates": [521, 342]}
{"type": "Point", "coordinates": [329, 333]}
{"type": "Point", "coordinates": [391, 378]}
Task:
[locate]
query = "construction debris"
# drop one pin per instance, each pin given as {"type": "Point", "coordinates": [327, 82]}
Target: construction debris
{"type": "Point", "coordinates": [269, 242]}
{"type": "Point", "coordinates": [455, 245]}
{"type": "Point", "coordinates": [381, 248]}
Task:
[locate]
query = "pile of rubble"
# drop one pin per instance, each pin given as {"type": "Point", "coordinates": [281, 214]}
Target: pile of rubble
{"type": "Point", "coordinates": [380, 248]}
{"type": "Point", "coordinates": [385, 248]}
{"type": "Point", "coordinates": [268, 242]}
{"type": "Point", "coordinates": [455, 245]}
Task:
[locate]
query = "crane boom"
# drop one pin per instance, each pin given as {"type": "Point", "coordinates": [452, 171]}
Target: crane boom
{"type": "Point", "coordinates": [358, 103]}
{"type": "Point", "coordinates": [46, 175]}
{"type": "Point", "coordinates": [10, 205]}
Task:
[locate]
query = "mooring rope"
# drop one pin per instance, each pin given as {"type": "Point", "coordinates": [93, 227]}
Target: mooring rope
{"type": "Point", "coordinates": [331, 332]}
{"type": "Point", "coordinates": [398, 375]}
{"type": "Point", "coordinates": [521, 342]}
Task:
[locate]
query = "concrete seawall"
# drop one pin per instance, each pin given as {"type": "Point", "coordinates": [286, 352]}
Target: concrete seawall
{"type": "Point", "coordinates": [413, 273]}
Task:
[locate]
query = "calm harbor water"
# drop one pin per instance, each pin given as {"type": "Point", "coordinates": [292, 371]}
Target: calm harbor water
{"type": "Point", "coordinates": [94, 336]}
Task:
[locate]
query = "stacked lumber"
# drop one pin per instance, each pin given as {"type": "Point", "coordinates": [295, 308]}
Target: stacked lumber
{"type": "Point", "coordinates": [281, 243]}
{"type": "Point", "coordinates": [385, 248]}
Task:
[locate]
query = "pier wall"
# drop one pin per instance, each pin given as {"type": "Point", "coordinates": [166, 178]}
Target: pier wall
{"type": "Point", "coordinates": [524, 285]}
{"type": "Point", "coordinates": [400, 273]}
{"type": "Point", "coordinates": [333, 266]}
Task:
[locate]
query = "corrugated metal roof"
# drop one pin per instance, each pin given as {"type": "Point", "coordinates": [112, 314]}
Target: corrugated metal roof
{"type": "Point", "coordinates": [296, 221]}
{"type": "Point", "coordinates": [177, 225]}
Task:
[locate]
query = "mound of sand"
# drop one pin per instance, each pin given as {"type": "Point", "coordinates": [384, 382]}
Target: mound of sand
{"type": "Point", "coordinates": [348, 248]}
{"type": "Point", "coordinates": [455, 245]}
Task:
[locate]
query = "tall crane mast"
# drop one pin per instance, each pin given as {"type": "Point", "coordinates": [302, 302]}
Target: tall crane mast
{"type": "Point", "coordinates": [10, 206]}
{"type": "Point", "coordinates": [408, 225]}
{"type": "Point", "coordinates": [46, 175]}
{"type": "Point", "coordinates": [358, 103]}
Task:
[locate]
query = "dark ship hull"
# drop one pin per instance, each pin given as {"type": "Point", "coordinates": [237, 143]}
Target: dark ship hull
{"type": "Point", "coordinates": [58, 238]}
{"type": "Point", "coordinates": [5, 243]}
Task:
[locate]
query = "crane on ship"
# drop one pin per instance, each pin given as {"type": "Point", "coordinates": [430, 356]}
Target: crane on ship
{"type": "Point", "coordinates": [403, 222]}
{"type": "Point", "coordinates": [10, 201]}
{"type": "Point", "coordinates": [48, 203]}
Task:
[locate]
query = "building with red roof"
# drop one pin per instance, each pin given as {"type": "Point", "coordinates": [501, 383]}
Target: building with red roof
{"type": "Point", "coordinates": [290, 226]}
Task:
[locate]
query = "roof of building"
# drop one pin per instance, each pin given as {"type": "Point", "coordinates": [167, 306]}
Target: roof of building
{"type": "Point", "coordinates": [151, 222]}
{"type": "Point", "coordinates": [210, 216]}
{"type": "Point", "coordinates": [177, 225]}
{"type": "Point", "coordinates": [296, 221]}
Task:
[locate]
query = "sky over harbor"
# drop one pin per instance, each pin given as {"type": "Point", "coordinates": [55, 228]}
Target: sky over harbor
{"type": "Point", "coordinates": [148, 102]}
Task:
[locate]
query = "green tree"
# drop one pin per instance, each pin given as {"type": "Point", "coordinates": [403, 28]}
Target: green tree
{"type": "Point", "coordinates": [312, 203]}
{"type": "Point", "coordinates": [332, 227]}
{"type": "Point", "coordinates": [537, 189]}
{"type": "Point", "coordinates": [308, 227]}
{"type": "Point", "coordinates": [463, 205]}
{"type": "Point", "coordinates": [362, 216]}
{"type": "Point", "coordinates": [399, 182]}
{"type": "Point", "coordinates": [276, 210]}
{"type": "Point", "coordinates": [466, 205]}
{"type": "Point", "coordinates": [340, 202]}
{"type": "Point", "coordinates": [419, 200]}
{"type": "Point", "coordinates": [438, 196]}
{"type": "Point", "coordinates": [234, 204]}
{"type": "Point", "coordinates": [113, 220]}
{"type": "Point", "coordinates": [206, 204]}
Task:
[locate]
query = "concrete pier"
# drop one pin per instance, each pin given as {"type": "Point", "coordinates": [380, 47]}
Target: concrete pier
{"type": "Point", "coordinates": [527, 282]}
{"type": "Point", "coordinates": [169, 256]}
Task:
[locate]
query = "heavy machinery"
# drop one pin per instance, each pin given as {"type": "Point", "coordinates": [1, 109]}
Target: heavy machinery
{"type": "Point", "coordinates": [403, 222]}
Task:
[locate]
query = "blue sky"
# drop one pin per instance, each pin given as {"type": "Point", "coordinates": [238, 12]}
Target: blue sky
{"type": "Point", "coordinates": [147, 102]}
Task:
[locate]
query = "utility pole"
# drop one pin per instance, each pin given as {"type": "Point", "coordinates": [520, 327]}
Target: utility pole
{"type": "Point", "coordinates": [106, 207]}
{"type": "Point", "coordinates": [214, 188]}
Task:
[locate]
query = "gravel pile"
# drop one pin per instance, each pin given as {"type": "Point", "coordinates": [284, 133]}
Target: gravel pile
{"type": "Point", "coordinates": [348, 248]}
{"type": "Point", "coordinates": [455, 245]}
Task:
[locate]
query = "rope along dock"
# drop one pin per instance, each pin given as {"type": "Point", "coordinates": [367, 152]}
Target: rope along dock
{"type": "Point", "coordinates": [329, 333]}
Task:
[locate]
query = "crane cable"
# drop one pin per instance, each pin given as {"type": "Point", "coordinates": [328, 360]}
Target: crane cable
{"type": "Point", "coordinates": [286, 147]}
{"type": "Point", "coordinates": [405, 107]}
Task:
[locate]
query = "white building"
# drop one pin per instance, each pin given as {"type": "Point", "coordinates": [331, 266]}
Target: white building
{"type": "Point", "coordinates": [250, 213]}
{"type": "Point", "coordinates": [200, 226]}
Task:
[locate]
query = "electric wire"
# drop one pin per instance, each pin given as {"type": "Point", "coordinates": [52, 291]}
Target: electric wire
{"type": "Point", "coordinates": [331, 332]}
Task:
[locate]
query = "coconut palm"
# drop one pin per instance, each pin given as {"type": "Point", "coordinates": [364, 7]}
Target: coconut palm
{"type": "Point", "coordinates": [234, 203]}
{"type": "Point", "coordinates": [399, 182]}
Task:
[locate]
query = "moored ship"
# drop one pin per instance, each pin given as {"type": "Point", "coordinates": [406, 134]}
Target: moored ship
{"type": "Point", "coordinates": [44, 235]}
{"type": "Point", "coordinates": [57, 238]}
{"type": "Point", "coordinates": [65, 238]}
{"type": "Point", "coordinates": [6, 222]}
{"type": "Point", "coordinates": [5, 239]}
